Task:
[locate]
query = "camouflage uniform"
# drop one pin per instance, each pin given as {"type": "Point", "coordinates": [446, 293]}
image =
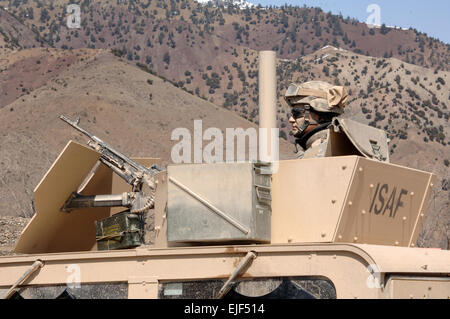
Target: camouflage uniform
{"type": "Point", "coordinates": [315, 147]}
{"type": "Point", "coordinates": [323, 98]}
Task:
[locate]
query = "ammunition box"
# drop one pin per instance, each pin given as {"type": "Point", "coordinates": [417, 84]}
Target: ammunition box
{"type": "Point", "coordinates": [120, 231]}
{"type": "Point", "coordinates": [219, 203]}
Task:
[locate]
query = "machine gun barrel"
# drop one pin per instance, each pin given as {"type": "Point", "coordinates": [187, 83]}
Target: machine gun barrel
{"type": "Point", "coordinates": [102, 143]}
{"type": "Point", "coordinates": [131, 171]}
{"type": "Point", "coordinates": [75, 126]}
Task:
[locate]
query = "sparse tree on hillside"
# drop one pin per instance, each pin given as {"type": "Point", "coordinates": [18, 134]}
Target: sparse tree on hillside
{"type": "Point", "coordinates": [166, 58]}
{"type": "Point", "coordinates": [384, 30]}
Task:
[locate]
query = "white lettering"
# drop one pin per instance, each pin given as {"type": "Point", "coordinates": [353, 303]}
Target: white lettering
{"type": "Point", "coordinates": [74, 279]}
{"type": "Point", "coordinates": [216, 145]}
{"type": "Point", "coordinates": [269, 148]}
{"type": "Point", "coordinates": [374, 279]}
{"type": "Point", "coordinates": [198, 141]}
{"type": "Point", "coordinates": [201, 309]}
{"type": "Point", "coordinates": [241, 135]}
{"type": "Point", "coordinates": [213, 152]}
{"type": "Point", "coordinates": [374, 20]}
{"type": "Point", "coordinates": [74, 18]}
{"type": "Point", "coordinates": [184, 146]}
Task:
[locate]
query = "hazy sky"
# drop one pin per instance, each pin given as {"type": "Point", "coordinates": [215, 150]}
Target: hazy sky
{"type": "Point", "coordinates": [431, 16]}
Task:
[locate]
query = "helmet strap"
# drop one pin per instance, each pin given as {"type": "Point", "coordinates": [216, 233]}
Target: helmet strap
{"type": "Point", "coordinates": [304, 139]}
{"type": "Point", "coordinates": [306, 122]}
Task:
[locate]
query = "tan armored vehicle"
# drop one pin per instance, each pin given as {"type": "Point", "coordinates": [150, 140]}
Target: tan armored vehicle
{"type": "Point", "coordinates": [340, 226]}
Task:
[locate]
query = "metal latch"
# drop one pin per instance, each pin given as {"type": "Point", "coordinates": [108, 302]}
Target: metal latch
{"type": "Point", "coordinates": [263, 193]}
{"type": "Point", "coordinates": [376, 150]}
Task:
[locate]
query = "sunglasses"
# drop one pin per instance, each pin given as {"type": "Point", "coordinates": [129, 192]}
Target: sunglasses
{"type": "Point", "coordinates": [298, 112]}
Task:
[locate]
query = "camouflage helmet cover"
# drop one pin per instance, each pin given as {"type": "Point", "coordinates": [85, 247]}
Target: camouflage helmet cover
{"type": "Point", "coordinates": [321, 96]}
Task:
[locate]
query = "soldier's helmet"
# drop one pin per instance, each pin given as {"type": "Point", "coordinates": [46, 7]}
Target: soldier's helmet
{"type": "Point", "coordinates": [321, 96]}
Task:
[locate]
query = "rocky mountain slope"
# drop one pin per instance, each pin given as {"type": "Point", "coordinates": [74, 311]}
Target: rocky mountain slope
{"type": "Point", "coordinates": [11, 228]}
{"type": "Point", "coordinates": [208, 49]}
{"type": "Point", "coordinates": [14, 34]}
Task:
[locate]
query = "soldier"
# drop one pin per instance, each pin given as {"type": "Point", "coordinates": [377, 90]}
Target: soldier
{"type": "Point", "coordinates": [314, 104]}
{"type": "Point", "coordinates": [320, 130]}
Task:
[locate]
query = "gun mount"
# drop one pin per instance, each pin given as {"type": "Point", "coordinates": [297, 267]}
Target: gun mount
{"type": "Point", "coordinates": [130, 171]}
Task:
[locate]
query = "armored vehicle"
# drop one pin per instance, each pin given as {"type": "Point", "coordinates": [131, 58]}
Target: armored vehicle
{"type": "Point", "coordinates": [342, 226]}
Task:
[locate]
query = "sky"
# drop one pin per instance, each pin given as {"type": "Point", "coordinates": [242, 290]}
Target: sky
{"type": "Point", "coordinates": [430, 17]}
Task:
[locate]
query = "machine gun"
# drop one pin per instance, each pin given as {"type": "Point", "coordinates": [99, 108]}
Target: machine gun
{"type": "Point", "coordinates": [133, 173]}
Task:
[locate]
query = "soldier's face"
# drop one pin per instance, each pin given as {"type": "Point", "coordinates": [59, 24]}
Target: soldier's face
{"type": "Point", "coordinates": [297, 119]}
{"type": "Point", "coordinates": [296, 124]}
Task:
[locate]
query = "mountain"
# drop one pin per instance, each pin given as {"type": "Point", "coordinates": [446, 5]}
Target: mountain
{"type": "Point", "coordinates": [14, 34]}
{"type": "Point", "coordinates": [292, 31]}
{"type": "Point", "coordinates": [211, 50]}
{"type": "Point", "coordinates": [241, 4]}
